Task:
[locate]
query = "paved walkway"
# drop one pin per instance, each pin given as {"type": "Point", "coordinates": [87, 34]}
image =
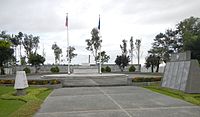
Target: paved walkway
{"type": "Point", "coordinates": [126, 101]}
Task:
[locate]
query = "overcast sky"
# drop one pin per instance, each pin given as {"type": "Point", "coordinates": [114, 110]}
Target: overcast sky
{"type": "Point", "coordinates": [120, 19]}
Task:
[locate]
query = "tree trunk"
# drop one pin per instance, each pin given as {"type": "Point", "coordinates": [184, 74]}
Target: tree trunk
{"type": "Point", "coordinates": [2, 70]}
{"type": "Point", "coordinates": [157, 67]}
{"type": "Point", "coordinates": [95, 57]}
{"type": "Point", "coordinates": [152, 66]}
{"type": "Point", "coordinates": [20, 49]}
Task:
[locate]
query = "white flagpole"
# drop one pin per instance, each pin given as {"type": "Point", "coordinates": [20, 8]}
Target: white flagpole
{"type": "Point", "coordinates": [99, 49]}
{"type": "Point", "coordinates": [68, 66]}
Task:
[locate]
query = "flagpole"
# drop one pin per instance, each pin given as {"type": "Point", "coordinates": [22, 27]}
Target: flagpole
{"type": "Point", "coordinates": [100, 48]}
{"type": "Point", "coordinates": [68, 66]}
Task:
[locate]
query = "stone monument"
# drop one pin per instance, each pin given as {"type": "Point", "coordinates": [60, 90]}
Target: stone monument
{"type": "Point", "coordinates": [85, 68]}
{"type": "Point", "coordinates": [20, 83]}
{"type": "Point", "coordinates": [182, 73]}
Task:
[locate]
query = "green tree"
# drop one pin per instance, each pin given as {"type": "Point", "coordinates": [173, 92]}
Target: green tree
{"type": "Point", "coordinates": [94, 44]}
{"type": "Point", "coordinates": [122, 61]}
{"type": "Point", "coordinates": [4, 36]}
{"type": "Point", "coordinates": [6, 54]}
{"type": "Point", "coordinates": [104, 57]}
{"type": "Point", "coordinates": [152, 61]}
{"type": "Point", "coordinates": [185, 37]}
{"type": "Point", "coordinates": [30, 44]}
{"type": "Point", "coordinates": [36, 60]}
{"type": "Point", "coordinates": [124, 47]}
{"type": "Point", "coordinates": [164, 45]}
{"type": "Point", "coordinates": [131, 49]}
{"type": "Point", "coordinates": [57, 52]}
{"type": "Point", "coordinates": [138, 45]}
{"type": "Point", "coordinates": [71, 53]}
{"type": "Point", "coordinates": [189, 31]}
{"type": "Point", "coordinates": [15, 42]}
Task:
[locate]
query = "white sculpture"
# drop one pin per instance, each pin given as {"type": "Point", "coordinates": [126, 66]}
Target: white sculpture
{"type": "Point", "coordinates": [21, 80]}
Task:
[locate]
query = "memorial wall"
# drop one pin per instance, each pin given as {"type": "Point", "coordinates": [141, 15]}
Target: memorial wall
{"type": "Point", "coordinates": [182, 73]}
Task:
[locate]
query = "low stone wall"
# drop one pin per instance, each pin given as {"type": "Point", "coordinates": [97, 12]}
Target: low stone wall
{"type": "Point", "coordinates": [63, 68]}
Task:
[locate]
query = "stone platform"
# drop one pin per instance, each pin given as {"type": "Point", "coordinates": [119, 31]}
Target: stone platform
{"type": "Point", "coordinates": [125, 101]}
{"type": "Point", "coordinates": [89, 80]}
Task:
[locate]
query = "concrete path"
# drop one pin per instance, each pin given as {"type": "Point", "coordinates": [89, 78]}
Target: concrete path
{"type": "Point", "coordinates": [126, 101]}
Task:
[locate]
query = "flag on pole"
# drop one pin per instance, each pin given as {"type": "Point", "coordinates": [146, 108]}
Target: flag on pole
{"type": "Point", "coordinates": [99, 23]}
{"type": "Point", "coordinates": [66, 23]}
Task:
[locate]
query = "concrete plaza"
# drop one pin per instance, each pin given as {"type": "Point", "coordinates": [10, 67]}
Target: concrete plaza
{"type": "Point", "coordinates": [121, 101]}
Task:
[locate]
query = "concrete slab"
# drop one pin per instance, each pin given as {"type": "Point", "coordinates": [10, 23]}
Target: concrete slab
{"type": "Point", "coordinates": [166, 112]}
{"type": "Point", "coordinates": [124, 101]}
{"type": "Point", "coordinates": [111, 81]}
{"type": "Point", "coordinates": [79, 82]}
{"type": "Point", "coordinates": [75, 91]}
{"type": "Point", "coordinates": [77, 103]}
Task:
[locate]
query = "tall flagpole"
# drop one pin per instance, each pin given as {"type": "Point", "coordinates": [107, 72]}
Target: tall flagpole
{"type": "Point", "coordinates": [68, 66]}
{"type": "Point", "coordinates": [100, 47]}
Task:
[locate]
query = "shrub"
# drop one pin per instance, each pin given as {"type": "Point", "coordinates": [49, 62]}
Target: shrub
{"type": "Point", "coordinates": [27, 70]}
{"type": "Point", "coordinates": [55, 69]}
{"type": "Point", "coordinates": [150, 79]}
{"type": "Point", "coordinates": [131, 68]}
{"type": "Point", "coordinates": [102, 69]}
{"type": "Point", "coordinates": [108, 69]}
{"type": "Point", "coordinates": [32, 82]}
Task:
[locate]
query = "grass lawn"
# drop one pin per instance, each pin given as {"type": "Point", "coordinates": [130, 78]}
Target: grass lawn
{"type": "Point", "coordinates": [21, 106]}
{"type": "Point", "coordinates": [192, 98]}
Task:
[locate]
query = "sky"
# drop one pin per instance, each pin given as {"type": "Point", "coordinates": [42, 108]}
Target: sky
{"type": "Point", "coordinates": [120, 19]}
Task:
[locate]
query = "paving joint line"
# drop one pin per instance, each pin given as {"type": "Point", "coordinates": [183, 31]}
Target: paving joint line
{"type": "Point", "coordinates": [157, 108]}
{"type": "Point", "coordinates": [114, 101]}
{"type": "Point", "coordinates": [88, 111]}
{"type": "Point", "coordinates": [128, 109]}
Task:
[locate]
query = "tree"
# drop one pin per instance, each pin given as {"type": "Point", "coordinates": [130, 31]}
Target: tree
{"type": "Point", "coordinates": [138, 44]}
{"type": "Point", "coordinates": [94, 44]}
{"type": "Point", "coordinates": [36, 60]}
{"type": "Point", "coordinates": [104, 57]}
{"type": "Point", "coordinates": [131, 49]}
{"type": "Point", "coordinates": [57, 52]}
{"type": "Point", "coordinates": [122, 61]}
{"type": "Point", "coordinates": [189, 32]}
{"type": "Point", "coordinates": [30, 42]}
{"type": "Point", "coordinates": [71, 53]}
{"type": "Point", "coordinates": [15, 42]}
{"type": "Point", "coordinates": [152, 61]}
{"type": "Point", "coordinates": [124, 47]}
{"type": "Point", "coordinates": [4, 36]}
{"type": "Point", "coordinates": [6, 54]}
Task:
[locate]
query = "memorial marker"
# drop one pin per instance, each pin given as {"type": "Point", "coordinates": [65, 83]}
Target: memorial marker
{"type": "Point", "coordinates": [20, 83]}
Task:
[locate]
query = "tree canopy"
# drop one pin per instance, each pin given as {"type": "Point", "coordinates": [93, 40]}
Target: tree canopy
{"type": "Point", "coordinates": [30, 44]}
{"type": "Point", "coordinates": [123, 60]}
{"type": "Point", "coordinates": [71, 50]}
{"type": "Point", "coordinates": [57, 52]}
{"type": "Point", "coordinates": [94, 43]}
{"type": "Point", "coordinates": [6, 54]}
{"type": "Point", "coordinates": [104, 57]}
{"type": "Point", "coordinates": [36, 60]}
{"type": "Point", "coordinates": [185, 37]}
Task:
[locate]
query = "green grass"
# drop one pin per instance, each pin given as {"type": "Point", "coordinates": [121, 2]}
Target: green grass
{"type": "Point", "coordinates": [9, 106]}
{"type": "Point", "coordinates": [192, 98]}
{"type": "Point", "coordinates": [4, 89]}
{"type": "Point", "coordinates": [21, 106]}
